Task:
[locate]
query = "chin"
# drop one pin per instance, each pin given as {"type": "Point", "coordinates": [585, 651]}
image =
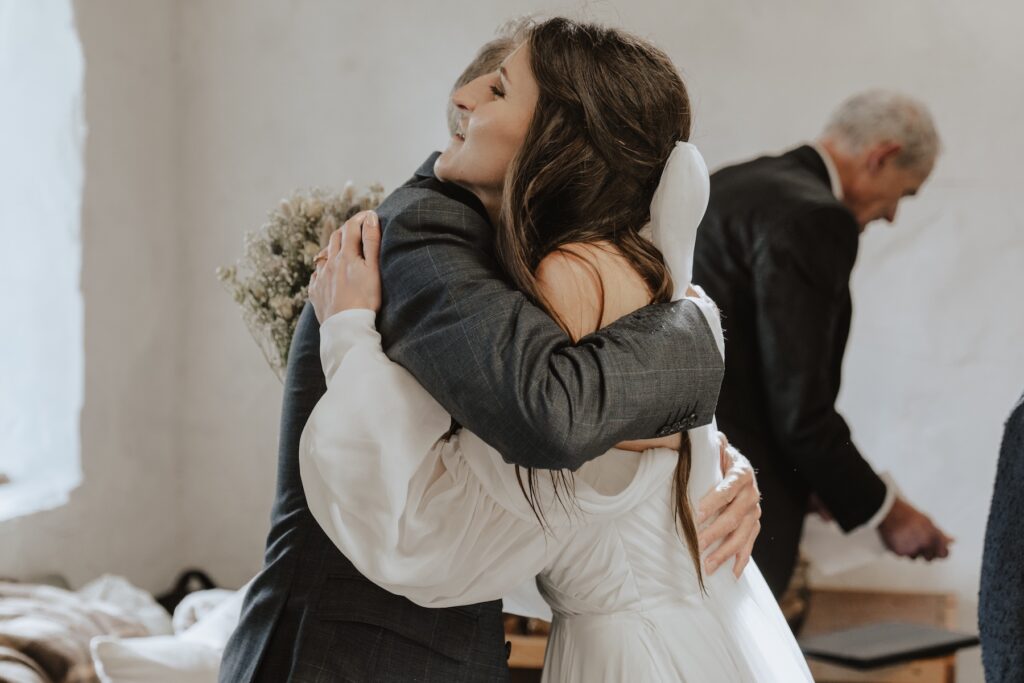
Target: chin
{"type": "Point", "coordinates": [441, 167]}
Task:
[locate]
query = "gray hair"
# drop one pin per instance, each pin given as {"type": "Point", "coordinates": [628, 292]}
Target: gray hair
{"type": "Point", "coordinates": [883, 115]}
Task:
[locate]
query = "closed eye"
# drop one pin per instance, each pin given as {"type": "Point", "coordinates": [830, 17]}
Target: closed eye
{"type": "Point", "coordinates": [497, 92]}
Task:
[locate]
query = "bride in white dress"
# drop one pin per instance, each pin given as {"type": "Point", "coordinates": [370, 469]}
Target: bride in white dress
{"type": "Point", "coordinates": [444, 521]}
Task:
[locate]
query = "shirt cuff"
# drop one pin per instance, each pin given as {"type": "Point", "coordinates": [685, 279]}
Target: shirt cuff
{"type": "Point", "coordinates": [341, 332]}
{"type": "Point", "coordinates": [891, 491]}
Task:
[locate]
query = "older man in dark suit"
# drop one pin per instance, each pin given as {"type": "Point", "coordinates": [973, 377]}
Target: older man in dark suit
{"type": "Point", "coordinates": [775, 251]}
{"type": "Point", "coordinates": [309, 616]}
{"type": "Point", "coordinates": [1001, 603]}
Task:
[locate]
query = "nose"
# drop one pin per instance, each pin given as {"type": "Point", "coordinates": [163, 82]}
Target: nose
{"type": "Point", "coordinates": [467, 97]}
{"type": "Point", "coordinates": [461, 100]}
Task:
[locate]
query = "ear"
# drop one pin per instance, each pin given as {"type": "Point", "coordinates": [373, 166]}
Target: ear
{"type": "Point", "coordinates": [881, 154]}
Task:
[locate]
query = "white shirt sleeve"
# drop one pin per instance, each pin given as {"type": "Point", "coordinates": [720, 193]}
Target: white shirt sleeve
{"type": "Point", "coordinates": [404, 506]}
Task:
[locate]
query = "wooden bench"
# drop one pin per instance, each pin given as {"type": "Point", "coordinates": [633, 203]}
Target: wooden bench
{"type": "Point", "coordinates": [832, 610]}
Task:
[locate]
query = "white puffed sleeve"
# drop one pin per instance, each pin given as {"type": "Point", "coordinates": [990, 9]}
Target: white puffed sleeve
{"type": "Point", "coordinates": [404, 506]}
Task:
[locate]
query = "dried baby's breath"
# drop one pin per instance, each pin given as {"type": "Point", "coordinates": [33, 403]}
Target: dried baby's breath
{"type": "Point", "coordinates": [269, 282]}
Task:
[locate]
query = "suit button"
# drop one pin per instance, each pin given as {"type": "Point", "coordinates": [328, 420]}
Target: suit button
{"type": "Point", "coordinates": [666, 431]}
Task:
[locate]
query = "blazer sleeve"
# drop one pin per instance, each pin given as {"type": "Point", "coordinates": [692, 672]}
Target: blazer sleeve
{"type": "Point", "coordinates": [801, 279]}
{"type": "Point", "coordinates": [503, 368]}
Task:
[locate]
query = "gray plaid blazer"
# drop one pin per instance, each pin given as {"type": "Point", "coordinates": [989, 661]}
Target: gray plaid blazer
{"type": "Point", "coordinates": [507, 372]}
{"type": "Point", "coordinates": [1001, 599]}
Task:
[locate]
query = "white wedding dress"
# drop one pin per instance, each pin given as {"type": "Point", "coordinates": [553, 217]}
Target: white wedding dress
{"type": "Point", "coordinates": [446, 523]}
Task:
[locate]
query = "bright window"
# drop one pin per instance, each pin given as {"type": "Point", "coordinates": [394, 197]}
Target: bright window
{"type": "Point", "coordinates": [42, 131]}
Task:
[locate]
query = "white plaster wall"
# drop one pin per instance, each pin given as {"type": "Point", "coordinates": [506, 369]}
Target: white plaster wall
{"type": "Point", "coordinates": [124, 517]}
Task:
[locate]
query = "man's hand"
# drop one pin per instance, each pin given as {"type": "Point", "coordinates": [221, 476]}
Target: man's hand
{"type": "Point", "coordinates": [910, 533]}
{"type": "Point", "coordinates": [347, 274]}
{"type": "Point", "coordinates": [736, 501]}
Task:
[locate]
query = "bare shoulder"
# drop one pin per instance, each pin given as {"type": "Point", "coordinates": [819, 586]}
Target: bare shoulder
{"type": "Point", "coordinates": [590, 285]}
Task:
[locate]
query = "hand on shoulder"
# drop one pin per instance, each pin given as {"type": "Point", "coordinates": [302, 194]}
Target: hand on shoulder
{"type": "Point", "coordinates": [347, 274]}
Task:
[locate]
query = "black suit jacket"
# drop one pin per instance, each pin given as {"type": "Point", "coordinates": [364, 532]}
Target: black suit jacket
{"type": "Point", "coordinates": [775, 251]}
{"type": "Point", "coordinates": [504, 370]}
{"type": "Point", "coordinates": [1001, 599]}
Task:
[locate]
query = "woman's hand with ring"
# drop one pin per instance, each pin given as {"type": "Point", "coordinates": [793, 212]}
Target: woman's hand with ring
{"type": "Point", "coordinates": [347, 274]}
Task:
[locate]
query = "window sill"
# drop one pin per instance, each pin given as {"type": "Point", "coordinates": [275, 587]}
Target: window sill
{"type": "Point", "coordinates": [20, 498]}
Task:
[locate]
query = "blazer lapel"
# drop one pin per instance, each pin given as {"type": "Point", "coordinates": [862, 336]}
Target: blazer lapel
{"type": "Point", "coordinates": [426, 169]}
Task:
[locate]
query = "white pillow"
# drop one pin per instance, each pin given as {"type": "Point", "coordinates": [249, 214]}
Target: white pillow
{"type": "Point", "coordinates": [118, 591]}
{"type": "Point", "coordinates": [216, 626]}
{"type": "Point", "coordinates": [190, 657]}
{"type": "Point", "coordinates": [195, 606]}
{"type": "Point", "coordinates": [158, 659]}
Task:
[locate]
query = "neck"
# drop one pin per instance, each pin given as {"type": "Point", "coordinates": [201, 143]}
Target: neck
{"type": "Point", "coordinates": [492, 204]}
{"type": "Point", "coordinates": [489, 197]}
{"type": "Point", "coordinates": [491, 200]}
{"type": "Point", "coordinates": [844, 162]}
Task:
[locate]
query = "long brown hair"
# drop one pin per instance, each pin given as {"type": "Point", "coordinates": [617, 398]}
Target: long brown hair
{"type": "Point", "coordinates": [609, 111]}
